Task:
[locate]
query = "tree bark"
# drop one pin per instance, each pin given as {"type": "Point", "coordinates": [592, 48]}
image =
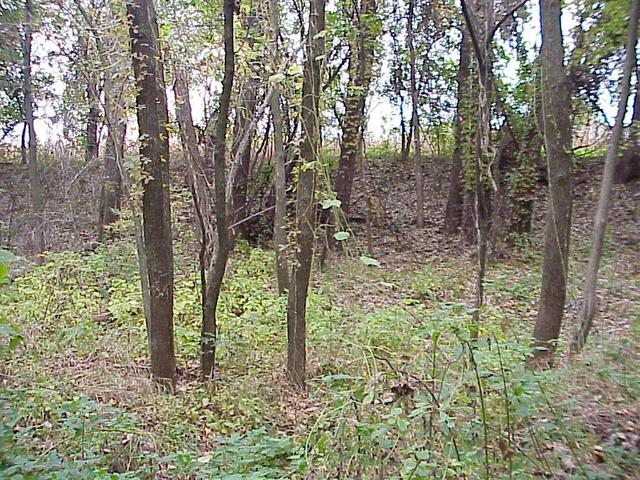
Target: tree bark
{"type": "Point", "coordinates": [455, 199]}
{"type": "Point", "coordinates": [305, 201]}
{"type": "Point", "coordinates": [481, 37]}
{"type": "Point", "coordinates": [244, 125]}
{"type": "Point", "coordinates": [111, 191]}
{"type": "Point", "coordinates": [360, 66]}
{"type": "Point", "coordinates": [556, 109]}
{"type": "Point", "coordinates": [35, 183]}
{"type": "Point", "coordinates": [152, 115]}
{"type": "Point", "coordinates": [215, 275]}
{"type": "Point", "coordinates": [589, 295]}
{"type": "Point", "coordinates": [280, 177]}
{"type": "Point", "coordinates": [415, 121]}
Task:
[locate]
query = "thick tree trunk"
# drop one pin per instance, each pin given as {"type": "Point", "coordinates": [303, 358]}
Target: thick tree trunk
{"type": "Point", "coordinates": [305, 201]}
{"type": "Point", "coordinates": [152, 115]}
{"type": "Point", "coordinates": [556, 109]}
{"type": "Point", "coordinates": [280, 177]}
{"type": "Point", "coordinates": [455, 199]}
{"type": "Point", "coordinates": [415, 122]}
{"type": "Point", "coordinates": [35, 184]}
{"type": "Point", "coordinates": [215, 275]}
{"type": "Point", "coordinates": [588, 310]}
{"type": "Point", "coordinates": [360, 68]}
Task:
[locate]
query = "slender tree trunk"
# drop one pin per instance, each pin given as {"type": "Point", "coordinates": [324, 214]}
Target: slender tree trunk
{"type": "Point", "coordinates": [280, 177]}
{"type": "Point", "coordinates": [305, 201]}
{"type": "Point", "coordinates": [419, 174]}
{"type": "Point", "coordinates": [35, 184]}
{"type": "Point", "coordinates": [556, 109]}
{"type": "Point", "coordinates": [245, 113]}
{"type": "Point", "coordinates": [200, 191]}
{"type": "Point", "coordinates": [111, 191]}
{"type": "Point", "coordinates": [215, 275]}
{"type": "Point", "coordinates": [91, 131]}
{"type": "Point", "coordinates": [152, 115]}
{"type": "Point", "coordinates": [455, 199]}
{"type": "Point", "coordinates": [588, 310]}
{"type": "Point", "coordinates": [481, 42]}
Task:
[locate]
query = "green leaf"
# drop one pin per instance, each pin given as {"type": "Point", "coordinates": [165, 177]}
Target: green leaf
{"type": "Point", "coordinates": [6, 256]}
{"type": "Point", "coordinates": [341, 236]}
{"type": "Point", "coordinates": [326, 204]}
{"type": "Point", "coordinates": [369, 262]}
{"type": "Point", "coordinates": [277, 77]}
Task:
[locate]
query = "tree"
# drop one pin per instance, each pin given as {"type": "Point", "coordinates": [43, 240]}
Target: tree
{"type": "Point", "coordinates": [361, 58]}
{"type": "Point", "coordinates": [415, 120]}
{"type": "Point", "coordinates": [455, 199]}
{"type": "Point", "coordinates": [156, 210]}
{"type": "Point", "coordinates": [588, 309]}
{"type": "Point", "coordinates": [35, 183]}
{"type": "Point", "coordinates": [215, 275]}
{"type": "Point", "coordinates": [279, 154]}
{"type": "Point", "coordinates": [305, 195]}
{"type": "Point", "coordinates": [556, 107]}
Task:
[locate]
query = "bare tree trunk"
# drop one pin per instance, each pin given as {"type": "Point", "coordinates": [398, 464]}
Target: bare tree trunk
{"type": "Point", "coordinates": [91, 131]}
{"type": "Point", "coordinates": [32, 157]}
{"type": "Point", "coordinates": [245, 113]}
{"type": "Point", "coordinates": [455, 199]}
{"type": "Point", "coordinates": [419, 174]}
{"type": "Point", "coordinates": [305, 201]}
{"type": "Point", "coordinates": [556, 109]}
{"type": "Point", "coordinates": [215, 275]}
{"type": "Point", "coordinates": [200, 189]}
{"type": "Point", "coordinates": [111, 191]}
{"type": "Point", "coordinates": [152, 115]}
{"type": "Point", "coordinates": [588, 310]}
{"type": "Point", "coordinates": [280, 177]}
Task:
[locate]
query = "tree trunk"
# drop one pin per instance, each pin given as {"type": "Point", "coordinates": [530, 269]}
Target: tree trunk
{"type": "Point", "coordinates": [360, 67]}
{"type": "Point", "coordinates": [111, 191]}
{"type": "Point", "coordinates": [245, 113]}
{"type": "Point", "coordinates": [305, 201]}
{"type": "Point", "coordinates": [91, 131]}
{"type": "Point", "coordinates": [455, 199]}
{"type": "Point", "coordinates": [415, 122]}
{"type": "Point", "coordinates": [35, 184]}
{"type": "Point", "coordinates": [481, 41]}
{"type": "Point", "coordinates": [556, 109]}
{"type": "Point", "coordinates": [215, 275]}
{"type": "Point", "coordinates": [152, 115]}
{"type": "Point", "coordinates": [200, 191]}
{"type": "Point", "coordinates": [588, 310]}
{"type": "Point", "coordinates": [280, 177]}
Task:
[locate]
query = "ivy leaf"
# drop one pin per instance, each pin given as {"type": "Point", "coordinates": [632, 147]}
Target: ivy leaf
{"type": "Point", "coordinates": [333, 202]}
{"type": "Point", "coordinates": [341, 236]}
{"type": "Point", "coordinates": [277, 77]}
{"type": "Point", "coordinates": [370, 262]}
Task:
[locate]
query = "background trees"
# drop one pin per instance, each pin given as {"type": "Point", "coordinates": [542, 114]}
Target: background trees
{"type": "Point", "coordinates": [444, 152]}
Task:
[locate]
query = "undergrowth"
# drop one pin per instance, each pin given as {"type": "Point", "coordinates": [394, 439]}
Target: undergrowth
{"type": "Point", "coordinates": [402, 392]}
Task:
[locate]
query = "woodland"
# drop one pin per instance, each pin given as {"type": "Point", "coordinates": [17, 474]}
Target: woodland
{"type": "Point", "coordinates": [319, 239]}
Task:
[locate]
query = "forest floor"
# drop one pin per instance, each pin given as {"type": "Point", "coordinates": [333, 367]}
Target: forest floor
{"type": "Point", "coordinates": [395, 390]}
